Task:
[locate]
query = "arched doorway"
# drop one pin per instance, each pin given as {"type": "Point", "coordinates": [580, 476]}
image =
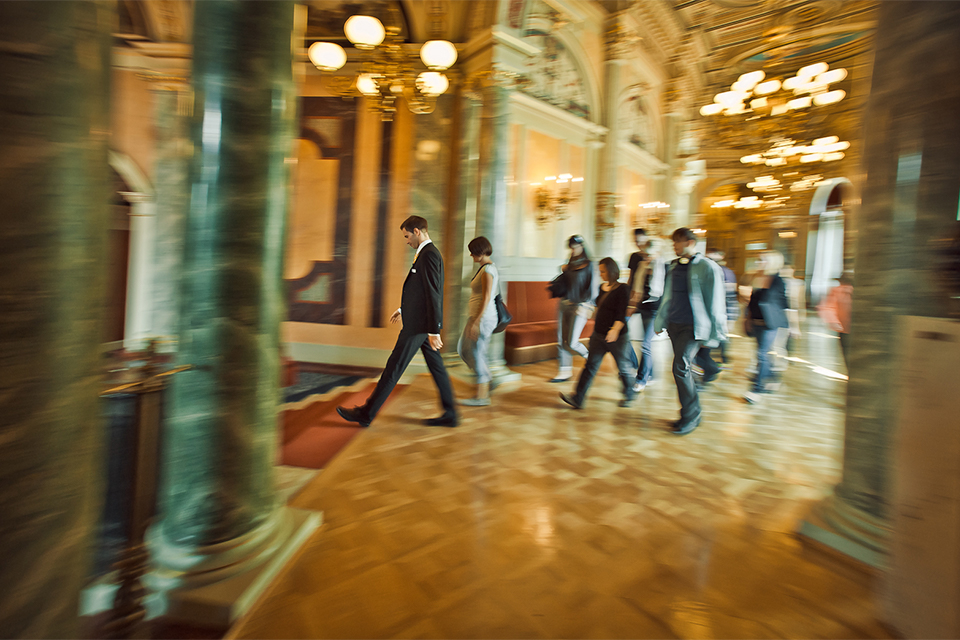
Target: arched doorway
{"type": "Point", "coordinates": [828, 238]}
{"type": "Point", "coordinates": [118, 257]}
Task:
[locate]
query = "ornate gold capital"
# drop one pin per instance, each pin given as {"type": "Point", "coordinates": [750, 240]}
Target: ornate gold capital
{"type": "Point", "coordinates": [606, 209]}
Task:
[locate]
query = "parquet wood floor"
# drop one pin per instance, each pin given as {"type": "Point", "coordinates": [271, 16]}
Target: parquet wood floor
{"type": "Point", "coordinates": [532, 520]}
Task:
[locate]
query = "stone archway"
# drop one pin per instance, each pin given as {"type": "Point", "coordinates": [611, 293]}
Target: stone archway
{"type": "Point", "coordinates": [828, 237]}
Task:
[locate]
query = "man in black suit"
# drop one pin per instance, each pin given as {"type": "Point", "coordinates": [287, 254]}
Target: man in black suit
{"type": "Point", "coordinates": [421, 313]}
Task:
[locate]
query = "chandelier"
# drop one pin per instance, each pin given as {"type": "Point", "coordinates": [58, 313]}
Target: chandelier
{"type": "Point", "coordinates": [809, 88]}
{"type": "Point", "coordinates": [387, 71]}
{"type": "Point", "coordinates": [551, 203]}
{"type": "Point", "coordinates": [785, 150]}
{"type": "Point", "coordinates": [793, 164]}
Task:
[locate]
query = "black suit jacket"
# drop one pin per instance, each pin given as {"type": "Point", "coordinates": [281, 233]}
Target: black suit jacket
{"type": "Point", "coordinates": [421, 305]}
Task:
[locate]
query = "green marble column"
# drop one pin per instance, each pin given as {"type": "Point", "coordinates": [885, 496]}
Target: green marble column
{"type": "Point", "coordinates": [218, 501]}
{"type": "Point", "coordinates": [54, 190]}
{"type": "Point", "coordinates": [491, 214]}
{"type": "Point", "coordinates": [908, 217]}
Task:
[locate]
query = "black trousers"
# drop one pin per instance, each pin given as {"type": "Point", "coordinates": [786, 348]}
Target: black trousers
{"type": "Point", "coordinates": [685, 348]}
{"type": "Point", "coordinates": [403, 352]}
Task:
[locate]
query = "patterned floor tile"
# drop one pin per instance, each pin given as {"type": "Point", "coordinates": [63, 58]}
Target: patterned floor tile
{"type": "Point", "coordinates": [533, 520]}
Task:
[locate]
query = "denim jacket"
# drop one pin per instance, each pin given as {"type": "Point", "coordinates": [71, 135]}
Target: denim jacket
{"type": "Point", "coordinates": [708, 300]}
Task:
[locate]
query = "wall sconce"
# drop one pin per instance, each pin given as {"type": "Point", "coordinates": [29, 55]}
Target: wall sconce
{"type": "Point", "coordinates": [552, 197]}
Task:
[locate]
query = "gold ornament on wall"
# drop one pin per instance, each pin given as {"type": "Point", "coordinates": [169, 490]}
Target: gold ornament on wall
{"type": "Point", "coordinates": [553, 196]}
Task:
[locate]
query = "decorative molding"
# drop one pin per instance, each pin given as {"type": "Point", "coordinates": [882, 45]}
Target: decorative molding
{"type": "Point", "coordinates": [620, 42]}
{"type": "Point", "coordinates": [633, 156]}
{"type": "Point", "coordinates": [554, 121]}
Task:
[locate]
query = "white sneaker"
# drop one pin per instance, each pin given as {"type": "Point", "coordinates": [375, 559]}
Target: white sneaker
{"type": "Point", "coordinates": [638, 386]}
{"type": "Point", "coordinates": [563, 375]}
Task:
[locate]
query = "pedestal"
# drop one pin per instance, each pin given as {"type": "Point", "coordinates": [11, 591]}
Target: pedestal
{"type": "Point", "coordinates": [922, 590]}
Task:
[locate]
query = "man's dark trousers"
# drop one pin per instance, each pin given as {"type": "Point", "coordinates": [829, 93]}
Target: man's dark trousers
{"type": "Point", "coordinates": [403, 352]}
{"type": "Point", "coordinates": [685, 349]}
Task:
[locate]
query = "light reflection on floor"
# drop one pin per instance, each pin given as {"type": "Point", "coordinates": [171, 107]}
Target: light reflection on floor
{"type": "Point", "coordinates": [535, 520]}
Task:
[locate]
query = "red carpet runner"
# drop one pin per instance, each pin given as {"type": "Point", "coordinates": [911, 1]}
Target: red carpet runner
{"type": "Point", "coordinates": [312, 436]}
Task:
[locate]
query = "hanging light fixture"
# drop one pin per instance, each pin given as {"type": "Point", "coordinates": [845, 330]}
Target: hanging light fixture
{"type": "Point", "coordinates": [753, 96]}
{"type": "Point", "coordinates": [387, 72]}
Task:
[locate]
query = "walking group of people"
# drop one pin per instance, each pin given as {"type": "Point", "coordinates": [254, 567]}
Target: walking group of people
{"type": "Point", "coordinates": [692, 298]}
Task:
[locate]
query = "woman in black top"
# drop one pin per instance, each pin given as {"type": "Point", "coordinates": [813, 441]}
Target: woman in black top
{"type": "Point", "coordinates": [610, 335]}
{"type": "Point", "coordinates": [766, 314]}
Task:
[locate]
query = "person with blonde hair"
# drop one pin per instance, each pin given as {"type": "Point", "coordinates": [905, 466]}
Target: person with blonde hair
{"type": "Point", "coordinates": [765, 315]}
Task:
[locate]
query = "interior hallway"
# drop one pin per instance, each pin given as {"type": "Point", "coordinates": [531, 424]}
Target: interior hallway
{"type": "Point", "coordinates": [535, 520]}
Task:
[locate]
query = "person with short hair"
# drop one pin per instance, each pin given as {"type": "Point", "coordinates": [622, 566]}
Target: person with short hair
{"type": "Point", "coordinates": [646, 287]}
{"type": "Point", "coordinates": [421, 317]}
{"type": "Point", "coordinates": [765, 315]}
{"type": "Point", "coordinates": [610, 335]}
{"type": "Point", "coordinates": [575, 307]}
{"type": "Point", "coordinates": [481, 319]}
{"type": "Point", "coordinates": [693, 311]}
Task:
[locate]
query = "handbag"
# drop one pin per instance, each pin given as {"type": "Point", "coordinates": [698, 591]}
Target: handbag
{"type": "Point", "coordinates": [558, 286]}
{"type": "Point", "coordinates": [504, 317]}
{"type": "Point", "coordinates": [503, 314]}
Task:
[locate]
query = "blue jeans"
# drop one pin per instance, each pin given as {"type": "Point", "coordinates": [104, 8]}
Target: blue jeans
{"type": "Point", "coordinates": [765, 339]}
{"type": "Point", "coordinates": [644, 365]}
{"type": "Point", "coordinates": [685, 348]}
{"type": "Point", "coordinates": [599, 347]}
{"type": "Point", "coordinates": [569, 325]}
{"type": "Point", "coordinates": [474, 352]}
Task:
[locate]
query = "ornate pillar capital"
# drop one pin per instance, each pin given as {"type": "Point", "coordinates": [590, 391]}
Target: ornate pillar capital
{"type": "Point", "coordinates": [619, 41]}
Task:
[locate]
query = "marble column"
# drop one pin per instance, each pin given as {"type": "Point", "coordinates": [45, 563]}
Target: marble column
{"type": "Point", "coordinates": [219, 517]}
{"type": "Point", "coordinates": [140, 272]}
{"type": "Point", "coordinates": [54, 190]}
{"type": "Point", "coordinates": [491, 215]}
{"type": "Point", "coordinates": [908, 218]}
{"type": "Point", "coordinates": [170, 168]}
{"type": "Point", "coordinates": [462, 222]}
{"type": "Point", "coordinates": [607, 194]}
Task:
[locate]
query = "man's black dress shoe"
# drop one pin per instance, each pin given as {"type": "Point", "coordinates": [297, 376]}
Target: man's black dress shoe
{"type": "Point", "coordinates": [353, 415]}
{"type": "Point", "coordinates": [446, 420]}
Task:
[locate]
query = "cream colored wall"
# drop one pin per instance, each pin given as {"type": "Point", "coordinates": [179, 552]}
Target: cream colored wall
{"type": "Point", "coordinates": [132, 119]}
{"type": "Point", "coordinates": [354, 342]}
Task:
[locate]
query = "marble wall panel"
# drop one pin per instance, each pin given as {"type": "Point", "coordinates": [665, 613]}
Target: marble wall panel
{"type": "Point", "coordinates": [54, 190]}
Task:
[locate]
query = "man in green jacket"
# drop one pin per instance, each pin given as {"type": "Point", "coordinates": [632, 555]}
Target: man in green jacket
{"type": "Point", "coordinates": [693, 311]}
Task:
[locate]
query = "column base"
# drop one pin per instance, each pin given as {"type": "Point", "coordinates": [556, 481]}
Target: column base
{"type": "Point", "coordinates": [226, 579]}
{"type": "Point", "coordinates": [850, 531]}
